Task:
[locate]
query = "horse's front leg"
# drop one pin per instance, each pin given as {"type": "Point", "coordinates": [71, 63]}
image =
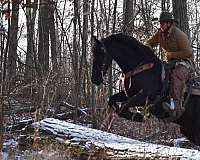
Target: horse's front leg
{"type": "Point", "coordinates": [115, 99]}
{"type": "Point", "coordinates": [138, 99]}
{"type": "Point", "coordinates": [135, 100]}
{"type": "Point", "coordinates": [122, 111]}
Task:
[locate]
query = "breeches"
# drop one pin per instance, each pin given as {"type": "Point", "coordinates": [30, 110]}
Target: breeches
{"type": "Point", "coordinates": [180, 75]}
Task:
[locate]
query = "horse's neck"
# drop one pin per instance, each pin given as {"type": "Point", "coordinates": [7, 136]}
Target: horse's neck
{"type": "Point", "coordinates": [120, 54]}
{"type": "Point", "coordinates": [127, 64]}
{"type": "Point", "coordinates": [128, 59]}
{"type": "Point", "coordinates": [133, 65]}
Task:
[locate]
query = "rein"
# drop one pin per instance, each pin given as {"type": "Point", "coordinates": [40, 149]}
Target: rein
{"type": "Point", "coordinates": [133, 72]}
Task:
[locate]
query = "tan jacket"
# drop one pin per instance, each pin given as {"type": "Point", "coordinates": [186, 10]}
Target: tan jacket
{"type": "Point", "coordinates": [176, 43]}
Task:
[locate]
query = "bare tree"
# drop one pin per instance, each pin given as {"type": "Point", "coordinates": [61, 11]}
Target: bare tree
{"type": "Point", "coordinates": [30, 22]}
{"type": "Point", "coordinates": [146, 15]}
{"type": "Point", "coordinates": [197, 39]}
{"type": "Point", "coordinates": [12, 48]}
{"type": "Point", "coordinates": [127, 16]}
{"type": "Point", "coordinates": [43, 27]}
{"type": "Point", "coordinates": [180, 13]}
{"type": "Point", "coordinates": [3, 92]}
{"type": "Point", "coordinates": [53, 36]}
{"type": "Point", "coordinates": [92, 86]}
{"type": "Point", "coordinates": [84, 69]}
{"type": "Point", "coordinates": [75, 56]}
{"type": "Point", "coordinates": [165, 5]}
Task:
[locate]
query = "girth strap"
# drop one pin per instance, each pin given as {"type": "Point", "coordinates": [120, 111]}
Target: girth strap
{"type": "Point", "coordinates": [139, 69]}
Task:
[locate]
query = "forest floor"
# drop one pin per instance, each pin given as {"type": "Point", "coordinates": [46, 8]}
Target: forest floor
{"type": "Point", "coordinates": [18, 144]}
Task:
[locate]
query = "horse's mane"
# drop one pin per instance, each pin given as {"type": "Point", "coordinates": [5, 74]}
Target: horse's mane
{"type": "Point", "coordinates": [122, 37]}
{"type": "Point", "coordinates": [132, 43]}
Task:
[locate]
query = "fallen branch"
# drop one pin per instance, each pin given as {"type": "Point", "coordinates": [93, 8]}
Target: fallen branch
{"type": "Point", "coordinates": [19, 125]}
{"type": "Point", "coordinates": [20, 110]}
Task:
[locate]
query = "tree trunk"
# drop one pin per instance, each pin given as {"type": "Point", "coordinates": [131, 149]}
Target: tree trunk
{"type": "Point", "coordinates": [180, 14]}
{"type": "Point", "coordinates": [12, 51]}
{"type": "Point", "coordinates": [2, 78]}
{"type": "Point", "coordinates": [53, 37]}
{"type": "Point", "coordinates": [3, 91]}
{"type": "Point", "coordinates": [114, 16]}
{"type": "Point", "coordinates": [146, 17]}
{"type": "Point", "coordinates": [30, 22]}
{"type": "Point", "coordinates": [127, 16]}
{"type": "Point", "coordinates": [84, 47]}
{"type": "Point", "coordinates": [43, 46]}
{"type": "Point", "coordinates": [197, 17]}
{"type": "Point", "coordinates": [93, 88]}
{"type": "Point", "coordinates": [165, 5]}
{"type": "Point", "coordinates": [76, 86]}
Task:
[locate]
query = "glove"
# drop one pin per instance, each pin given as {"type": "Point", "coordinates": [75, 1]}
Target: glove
{"type": "Point", "coordinates": [169, 55]}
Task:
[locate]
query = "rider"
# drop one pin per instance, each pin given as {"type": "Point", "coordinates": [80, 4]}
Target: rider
{"type": "Point", "coordinates": [175, 45]}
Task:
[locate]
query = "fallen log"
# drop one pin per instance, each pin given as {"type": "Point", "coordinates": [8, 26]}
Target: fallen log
{"type": "Point", "coordinates": [114, 146]}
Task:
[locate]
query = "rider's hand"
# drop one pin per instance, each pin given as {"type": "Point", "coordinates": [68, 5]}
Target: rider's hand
{"type": "Point", "coordinates": [169, 55]}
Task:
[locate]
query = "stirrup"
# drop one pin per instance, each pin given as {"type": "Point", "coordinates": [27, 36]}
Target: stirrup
{"type": "Point", "coordinates": [169, 107]}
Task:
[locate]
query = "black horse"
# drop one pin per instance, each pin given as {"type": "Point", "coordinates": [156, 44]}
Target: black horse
{"type": "Point", "coordinates": [143, 83]}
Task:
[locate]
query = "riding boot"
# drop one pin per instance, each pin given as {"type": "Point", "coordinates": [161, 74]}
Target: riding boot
{"type": "Point", "coordinates": [179, 109]}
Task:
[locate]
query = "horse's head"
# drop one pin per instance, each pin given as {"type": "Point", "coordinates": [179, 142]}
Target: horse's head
{"type": "Point", "coordinates": [102, 60]}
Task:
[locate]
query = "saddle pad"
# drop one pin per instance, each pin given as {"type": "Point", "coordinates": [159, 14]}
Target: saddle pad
{"type": "Point", "coordinates": [195, 90]}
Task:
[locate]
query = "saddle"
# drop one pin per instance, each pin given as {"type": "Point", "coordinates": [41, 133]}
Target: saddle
{"type": "Point", "coordinates": [193, 86]}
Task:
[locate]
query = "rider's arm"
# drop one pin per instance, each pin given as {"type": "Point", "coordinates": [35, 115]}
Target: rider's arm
{"type": "Point", "coordinates": [152, 41]}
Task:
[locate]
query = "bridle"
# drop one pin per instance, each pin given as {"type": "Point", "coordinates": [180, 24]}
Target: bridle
{"type": "Point", "coordinates": [106, 59]}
